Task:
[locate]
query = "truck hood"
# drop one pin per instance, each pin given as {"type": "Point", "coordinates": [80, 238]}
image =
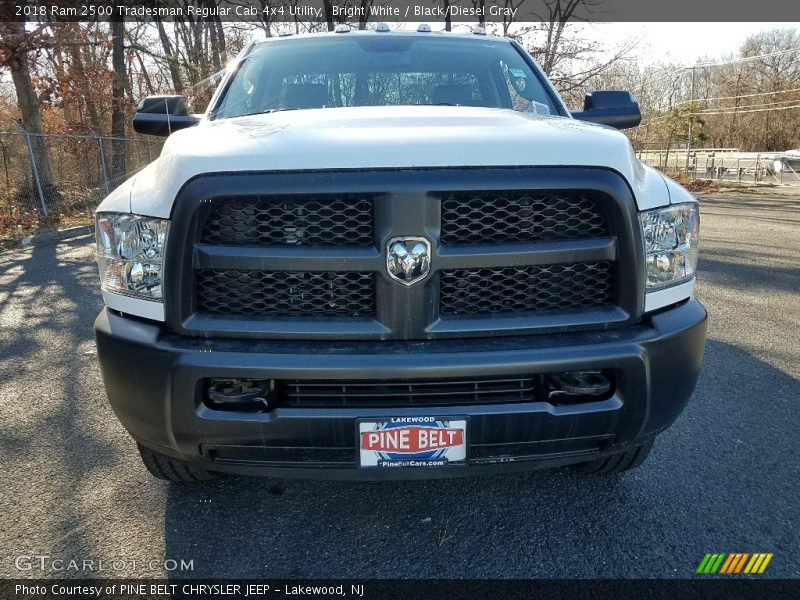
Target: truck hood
{"type": "Point", "coordinates": [384, 137]}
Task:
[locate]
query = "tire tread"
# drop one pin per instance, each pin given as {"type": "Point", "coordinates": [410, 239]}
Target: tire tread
{"type": "Point", "coordinates": [170, 469]}
{"type": "Point", "coordinates": [618, 462]}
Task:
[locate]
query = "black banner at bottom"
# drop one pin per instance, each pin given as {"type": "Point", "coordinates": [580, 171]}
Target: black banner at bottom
{"type": "Point", "coordinates": [380, 589]}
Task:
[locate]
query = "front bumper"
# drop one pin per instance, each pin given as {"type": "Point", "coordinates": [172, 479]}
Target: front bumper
{"type": "Point", "coordinates": [154, 384]}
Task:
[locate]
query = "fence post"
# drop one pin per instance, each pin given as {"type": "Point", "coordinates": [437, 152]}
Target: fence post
{"type": "Point", "coordinates": [34, 169]}
{"type": "Point", "coordinates": [5, 162]}
{"type": "Point", "coordinates": [103, 162]}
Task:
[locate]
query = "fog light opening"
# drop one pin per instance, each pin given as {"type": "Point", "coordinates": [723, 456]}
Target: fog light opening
{"type": "Point", "coordinates": [239, 395]}
{"type": "Point", "coordinates": [578, 386]}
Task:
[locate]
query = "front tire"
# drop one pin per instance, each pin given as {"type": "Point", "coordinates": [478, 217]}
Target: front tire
{"type": "Point", "coordinates": [170, 469]}
{"type": "Point", "coordinates": [618, 462]}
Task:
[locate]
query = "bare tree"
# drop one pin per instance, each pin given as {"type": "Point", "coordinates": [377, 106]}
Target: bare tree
{"type": "Point", "coordinates": [173, 63]}
{"type": "Point", "coordinates": [16, 42]}
{"type": "Point", "coordinates": [553, 22]}
{"type": "Point", "coordinates": [480, 8]}
{"type": "Point", "coordinates": [118, 99]}
{"type": "Point", "coordinates": [448, 21]}
{"type": "Point", "coordinates": [511, 8]}
{"type": "Point", "coordinates": [776, 69]}
{"type": "Point", "coordinates": [747, 101]}
{"type": "Point", "coordinates": [327, 6]}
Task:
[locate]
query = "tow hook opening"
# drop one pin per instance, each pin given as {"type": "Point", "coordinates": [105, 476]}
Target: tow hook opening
{"type": "Point", "coordinates": [578, 386]}
{"type": "Point", "coordinates": [239, 395]}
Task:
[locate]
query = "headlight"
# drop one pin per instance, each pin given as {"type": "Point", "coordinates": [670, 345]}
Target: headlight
{"type": "Point", "coordinates": [671, 237]}
{"type": "Point", "coordinates": [130, 252]}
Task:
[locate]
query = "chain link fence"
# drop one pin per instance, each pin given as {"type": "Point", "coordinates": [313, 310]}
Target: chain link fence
{"type": "Point", "coordinates": [730, 165]}
{"type": "Point", "coordinates": [50, 177]}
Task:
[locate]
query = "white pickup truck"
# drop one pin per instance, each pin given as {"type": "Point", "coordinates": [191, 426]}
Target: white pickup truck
{"type": "Point", "coordinates": [395, 254]}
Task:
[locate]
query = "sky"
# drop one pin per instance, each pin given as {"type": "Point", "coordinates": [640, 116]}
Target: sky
{"type": "Point", "coordinates": [681, 43]}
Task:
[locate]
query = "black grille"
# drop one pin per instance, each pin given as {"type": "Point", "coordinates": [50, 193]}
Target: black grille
{"type": "Point", "coordinates": [341, 220]}
{"type": "Point", "coordinates": [375, 393]}
{"type": "Point", "coordinates": [285, 293]}
{"type": "Point", "coordinates": [521, 216]}
{"type": "Point", "coordinates": [295, 255]}
{"type": "Point", "coordinates": [525, 289]}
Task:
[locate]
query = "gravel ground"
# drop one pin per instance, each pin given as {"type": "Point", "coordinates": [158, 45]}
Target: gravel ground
{"type": "Point", "coordinates": [723, 478]}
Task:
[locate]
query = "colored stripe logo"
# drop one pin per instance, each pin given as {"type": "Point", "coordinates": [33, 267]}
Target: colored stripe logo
{"type": "Point", "coordinates": [734, 563]}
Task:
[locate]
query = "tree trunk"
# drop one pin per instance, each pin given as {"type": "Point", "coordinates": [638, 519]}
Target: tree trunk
{"type": "Point", "coordinates": [118, 169]}
{"type": "Point", "coordinates": [27, 100]}
{"type": "Point", "coordinates": [223, 49]}
{"type": "Point", "coordinates": [328, 8]}
{"type": "Point", "coordinates": [143, 71]}
{"type": "Point", "coordinates": [216, 61]}
{"type": "Point", "coordinates": [199, 28]}
{"type": "Point", "coordinates": [172, 60]}
{"type": "Point", "coordinates": [448, 20]}
{"type": "Point", "coordinates": [80, 74]}
{"type": "Point", "coordinates": [363, 15]}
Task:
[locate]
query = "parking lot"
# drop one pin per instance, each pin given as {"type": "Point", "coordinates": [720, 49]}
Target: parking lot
{"type": "Point", "coordinates": [724, 478]}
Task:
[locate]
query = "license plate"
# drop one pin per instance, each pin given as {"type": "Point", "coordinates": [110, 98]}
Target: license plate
{"type": "Point", "coordinates": [412, 442]}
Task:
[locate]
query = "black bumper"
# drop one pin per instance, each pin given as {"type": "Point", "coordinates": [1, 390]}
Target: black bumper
{"type": "Point", "coordinates": [154, 384]}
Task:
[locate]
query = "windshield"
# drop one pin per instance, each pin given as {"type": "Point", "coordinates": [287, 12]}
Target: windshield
{"type": "Point", "coordinates": [383, 70]}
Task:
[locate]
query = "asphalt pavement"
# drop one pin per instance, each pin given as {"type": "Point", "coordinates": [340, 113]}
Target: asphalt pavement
{"type": "Point", "coordinates": [724, 478]}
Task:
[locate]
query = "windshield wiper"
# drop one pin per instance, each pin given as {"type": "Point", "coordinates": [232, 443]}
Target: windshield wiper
{"type": "Point", "coordinates": [266, 111]}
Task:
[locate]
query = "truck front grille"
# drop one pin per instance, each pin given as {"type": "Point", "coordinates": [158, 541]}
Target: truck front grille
{"type": "Point", "coordinates": [520, 216]}
{"type": "Point", "coordinates": [308, 393]}
{"type": "Point", "coordinates": [319, 220]}
{"type": "Point", "coordinates": [537, 250]}
{"type": "Point", "coordinates": [525, 289]}
{"type": "Point", "coordinates": [285, 293]}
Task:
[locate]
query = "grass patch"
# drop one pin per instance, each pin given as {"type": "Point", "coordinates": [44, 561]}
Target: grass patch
{"type": "Point", "coordinates": [711, 186]}
{"type": "Point", "coordinates": [18, 221]}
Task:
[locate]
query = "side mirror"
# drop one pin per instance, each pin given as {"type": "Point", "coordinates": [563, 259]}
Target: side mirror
{"type": "Point", "coordinates": [615, 108]}
{"type": "Point", "coordinates": [161, 115]}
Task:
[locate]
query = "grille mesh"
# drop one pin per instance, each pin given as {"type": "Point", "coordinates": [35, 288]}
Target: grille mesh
{"type": "Point", "coordinates": [285, 293]}
{"type": "Point", "coordinates": [340, 220]}
{"type": "Point", "coordinates": [303, 287]}
{"type": "Point", "coordinates": [508, 216]}
{"type": "Point", "coordinates": [525, 289]}
{"type": "Point", "coordinates": [388, 393]}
